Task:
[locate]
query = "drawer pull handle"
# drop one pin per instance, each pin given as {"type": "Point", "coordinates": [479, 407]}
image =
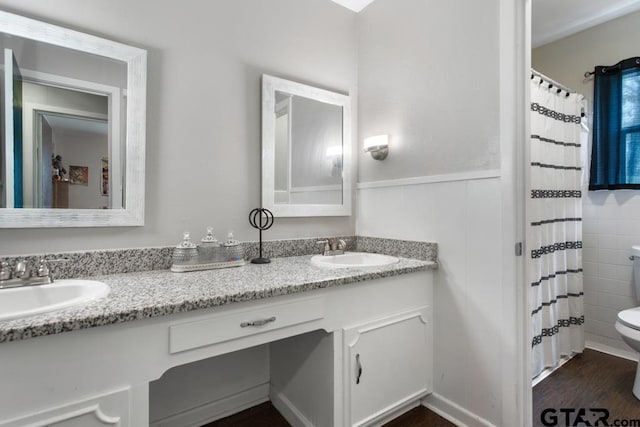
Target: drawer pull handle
{"type": "Point", "coordinates": [359, 368]}
{"type": "Point", "coordinates": [259, 322]}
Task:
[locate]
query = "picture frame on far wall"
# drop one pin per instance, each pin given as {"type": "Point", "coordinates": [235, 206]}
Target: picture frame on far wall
{"type": "Point", "coordinates": [104, 176]}
{"type": "Point", "coordinates": [79, 175]}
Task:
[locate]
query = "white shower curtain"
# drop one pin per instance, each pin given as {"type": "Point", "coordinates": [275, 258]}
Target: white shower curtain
{"type": "Point", "coordinates": [555, 228]}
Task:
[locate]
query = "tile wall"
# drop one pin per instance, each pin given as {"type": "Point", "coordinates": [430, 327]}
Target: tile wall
{"type": "Point", "coordinates": [611, 225]}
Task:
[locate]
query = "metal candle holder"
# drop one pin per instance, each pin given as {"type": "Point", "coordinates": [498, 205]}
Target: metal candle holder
{"type": "Point", "coordinates": [262, 219]}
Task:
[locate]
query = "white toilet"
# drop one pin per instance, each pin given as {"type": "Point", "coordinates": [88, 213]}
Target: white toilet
{"type": "Point", "coordinates": [628, 324]}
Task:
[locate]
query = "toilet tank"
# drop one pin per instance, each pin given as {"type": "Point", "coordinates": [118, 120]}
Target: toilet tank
{"type": "Point", "coordinates": [635, 251]}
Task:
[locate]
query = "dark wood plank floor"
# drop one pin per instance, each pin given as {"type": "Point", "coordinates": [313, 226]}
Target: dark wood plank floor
{"type": "Point", "coordinates": [265, 415]}
{"type": "Point", "coordinates": [588, 380]}
{"type": "Point", "coordinates": [419, 417]}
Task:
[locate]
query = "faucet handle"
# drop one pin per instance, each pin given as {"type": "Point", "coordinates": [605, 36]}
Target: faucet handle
{"type": "Point", "coordinates": [21, 270]}
{"type": "Point", "coordinates": [326, 245]}
{"type": "Point", "coordinates": [43, 268]}
{"type": "Point", "coordinates": [342, 245]}
{"type": "Point", "coordinates": [5, 271]}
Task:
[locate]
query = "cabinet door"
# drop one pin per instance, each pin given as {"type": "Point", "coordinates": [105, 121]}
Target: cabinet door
{"type": "Point", "coordinates": [388, 364]}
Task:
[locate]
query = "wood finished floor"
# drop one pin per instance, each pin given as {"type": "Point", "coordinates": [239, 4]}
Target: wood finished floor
{"type": "Point", "coordinates": [265, 415]}
{"type": "Point", "coordinates": [589, 380]}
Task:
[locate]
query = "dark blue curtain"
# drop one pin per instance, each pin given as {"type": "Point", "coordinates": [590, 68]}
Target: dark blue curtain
{"type": "Point", "coordinates": [615, 155]}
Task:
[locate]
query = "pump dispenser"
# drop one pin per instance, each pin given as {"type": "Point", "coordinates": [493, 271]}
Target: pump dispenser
{"type": "Point", "coordinates": [208, 248]}
{"type": "Point", "coordinates": [232, 248]}
{"type": "Point", "coordinates": [187, 256]}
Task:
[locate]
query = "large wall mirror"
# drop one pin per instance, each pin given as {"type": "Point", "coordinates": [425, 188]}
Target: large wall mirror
{"type": "Point", "coordinates": [72, 128]}
{"type": "Point", "coordinates": [306, 150]}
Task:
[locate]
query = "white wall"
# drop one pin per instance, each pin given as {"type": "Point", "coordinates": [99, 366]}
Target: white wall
{"type": "Point", "coordinates": [203, 107]}
{"type": "Point", "coordinates": [430, 76]}
{"type": "Point", "coordinates": [433, 65]}
{"type": "Point", "coordinates": [611, 219]}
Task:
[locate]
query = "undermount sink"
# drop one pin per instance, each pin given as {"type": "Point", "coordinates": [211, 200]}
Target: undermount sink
{"type": "Point", "coordinates": [353, 259]}
{"type": "Point", "coordinates": [30, 300]}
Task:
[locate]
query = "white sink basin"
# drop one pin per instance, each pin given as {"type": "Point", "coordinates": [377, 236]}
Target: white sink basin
{"type": "Point", "coordinates": [30, 300]}
{"type": "Point", "coordinates": [353, 259]}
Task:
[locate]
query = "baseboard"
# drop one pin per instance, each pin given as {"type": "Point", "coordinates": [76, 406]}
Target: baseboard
{"type": "Point", "coordinates": [215, 410]}
{"type": "Point", "coordinates": [453, 412]}
{"type": "Point", "coordinates": [395, 413]}
{"type": "Point", "coordinates": [603, 348]}
{"type": "Point", "coordinates": [288, 410]}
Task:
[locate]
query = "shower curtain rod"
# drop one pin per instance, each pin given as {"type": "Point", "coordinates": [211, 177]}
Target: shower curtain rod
{"type": "Point", "coordinates": [552, 83]}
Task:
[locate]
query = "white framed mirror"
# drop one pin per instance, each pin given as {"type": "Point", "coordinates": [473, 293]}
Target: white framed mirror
{"type": "Point", "coordinates": [306, 150]}
{"type": "Point", "coordinates": [72, 150]}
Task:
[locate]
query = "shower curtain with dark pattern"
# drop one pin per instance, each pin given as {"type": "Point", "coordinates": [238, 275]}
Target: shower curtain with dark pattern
{"type": "Point", "coordinates": [555, 228]}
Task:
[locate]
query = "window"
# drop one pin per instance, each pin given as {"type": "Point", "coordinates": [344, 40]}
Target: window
{"type": "Point", "coordinates": [615, 156]}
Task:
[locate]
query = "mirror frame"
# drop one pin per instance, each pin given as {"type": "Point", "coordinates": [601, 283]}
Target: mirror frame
{"type": "Point", "coordinates": [134, 166]}
{"type": "Point", "coordinates": [270, 85]}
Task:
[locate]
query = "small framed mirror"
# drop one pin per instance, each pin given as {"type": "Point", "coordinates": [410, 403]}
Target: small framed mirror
{"type": "Point", "coordinates": [306, 150]}
{"type": "Point", "coordinates": [73, 107]}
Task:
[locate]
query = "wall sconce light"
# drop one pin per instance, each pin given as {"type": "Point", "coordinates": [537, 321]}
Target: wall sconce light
{"type": "Point", "coordinates": [378, 146]}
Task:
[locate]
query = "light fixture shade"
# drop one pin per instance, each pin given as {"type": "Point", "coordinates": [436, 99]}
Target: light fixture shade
{"type": "Point", "coordinates": [378, 146]}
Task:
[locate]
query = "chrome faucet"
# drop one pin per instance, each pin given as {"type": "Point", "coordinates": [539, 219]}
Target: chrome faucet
{"type": "Point", "coordinates": [333, 246]}
{"type": "Point", "coordinates": [21, 274]}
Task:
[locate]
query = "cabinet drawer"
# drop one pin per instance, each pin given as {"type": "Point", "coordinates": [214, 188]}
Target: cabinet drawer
{"type": "Point", "coordinates": [243, 323]}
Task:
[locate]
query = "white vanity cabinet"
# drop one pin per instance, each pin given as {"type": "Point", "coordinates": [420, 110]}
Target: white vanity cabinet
{"type": "Point", "coordinates": [100, 376]}
{"type": "Point", "coordinates": [387, 365]}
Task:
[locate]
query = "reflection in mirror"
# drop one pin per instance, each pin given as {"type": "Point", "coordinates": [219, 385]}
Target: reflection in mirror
{"type": "Point", "coordinates": [308, 151]}
{"type": "Point", "coordinates": [60, 110]}
{"type": "Point", "coordinates": [305, 150]}
{"type": "Point", "coordinates": [73, 107]}
{"type": "Point", "coordinates": [62, 143]}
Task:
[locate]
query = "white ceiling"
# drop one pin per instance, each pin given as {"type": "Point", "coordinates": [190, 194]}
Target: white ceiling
{"type": "Point", "coordinates": [355, 5]}
{"type": "Point", "coordinates": [553, 19]}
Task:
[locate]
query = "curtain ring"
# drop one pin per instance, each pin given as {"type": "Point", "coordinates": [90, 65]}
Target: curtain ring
{"type": "Point", "coordinates": [637, 60]}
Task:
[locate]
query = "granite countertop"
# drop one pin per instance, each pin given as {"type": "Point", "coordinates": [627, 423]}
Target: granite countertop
{"type": "Point", "coordinates": [149, 294]}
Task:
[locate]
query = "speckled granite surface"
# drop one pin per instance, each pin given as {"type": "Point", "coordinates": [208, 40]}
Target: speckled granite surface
{"type": "Point", "coordinates": [94, 263]}
{"type": "Point", "coordinates": [403, 248]}
{"type": "Point", "coordinates": [114, 261]}
{"type": "Point", "coordinates": [143, 295]}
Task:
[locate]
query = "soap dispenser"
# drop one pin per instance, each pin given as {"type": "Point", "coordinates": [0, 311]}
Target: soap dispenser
{"type": "Point", "coordinates": [209, 248]}
{"type": "Point", "coordinates": [233, 250]}
{"type": "Point", "coordinates": [186, 252]}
